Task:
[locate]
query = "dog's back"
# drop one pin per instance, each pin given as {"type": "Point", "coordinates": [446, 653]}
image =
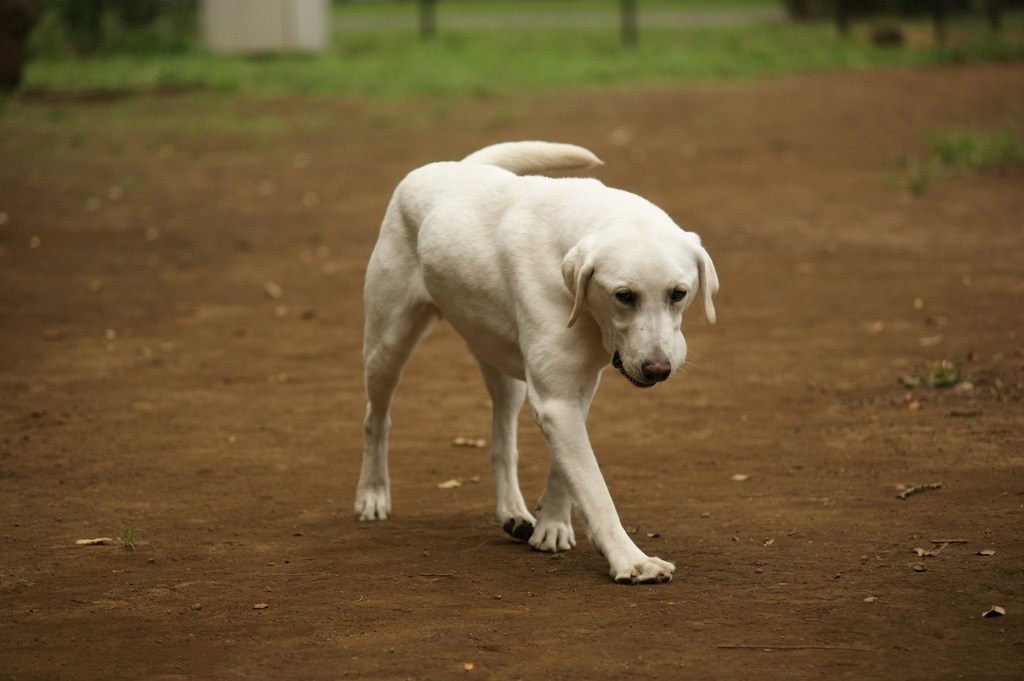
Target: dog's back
{"type": "Point", "coordinates": [461, 193]}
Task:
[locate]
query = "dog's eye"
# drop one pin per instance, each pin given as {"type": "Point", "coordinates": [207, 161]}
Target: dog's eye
{"type": "Point", "coordinates": [626, 297]}
{"type": "Point", "coordinates": [677, 295]}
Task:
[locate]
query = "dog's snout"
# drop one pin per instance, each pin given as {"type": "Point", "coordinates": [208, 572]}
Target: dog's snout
{"type": "Point", "coordinates": [656, 370]}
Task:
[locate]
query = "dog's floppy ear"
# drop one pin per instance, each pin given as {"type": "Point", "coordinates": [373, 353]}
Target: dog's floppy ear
{"type": "Point", "coordinates": [577, 268]}
{"type": "Point", "coordinates": [708, 282]}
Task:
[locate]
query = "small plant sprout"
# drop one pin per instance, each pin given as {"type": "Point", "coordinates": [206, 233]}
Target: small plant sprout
{"type": "Point", "coordinates": [911, 174]}
{"type": "Point", "coordinates": [127, 539]}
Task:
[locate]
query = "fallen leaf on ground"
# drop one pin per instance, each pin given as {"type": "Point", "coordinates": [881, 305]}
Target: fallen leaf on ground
{"type": "Point", "coordinates": [986, 552]}
{"type": "Point", "coordinates": [930, 553]}
{"type": "Point", "coordinates": [913, 404]}
{"type": "Point", "coordinates": [260, 606]}
{"type": "Point", "coordinates": [479, 443]}
{"type": "Point", "coordinates": [450, 484]}
{"type": "Point", "coordinates": [739, 477]}
{"type": "Point", "coordinates": [273, 289]}
{"type": "Point", "coordinates": [994, 611]}
{"type": "Point", "coordinates": [98, 541]}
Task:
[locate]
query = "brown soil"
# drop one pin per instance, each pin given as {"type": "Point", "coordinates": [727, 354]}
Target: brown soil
{"type": "Point", "coordinates": [150, 382]}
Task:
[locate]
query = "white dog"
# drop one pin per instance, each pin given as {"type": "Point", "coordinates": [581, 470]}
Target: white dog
{"type": "Point", "coordinates": [545, 279]}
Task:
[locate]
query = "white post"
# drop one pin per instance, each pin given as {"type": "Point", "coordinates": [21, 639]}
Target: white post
{"type": "Point", "coordinates": [265, 26]}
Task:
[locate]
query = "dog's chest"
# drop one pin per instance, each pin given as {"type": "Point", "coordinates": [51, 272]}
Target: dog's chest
{"type": "Point", "coordinates": [477, 305]}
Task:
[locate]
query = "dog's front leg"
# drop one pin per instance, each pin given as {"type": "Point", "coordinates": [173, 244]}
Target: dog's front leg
{"type": "Point", "coordinates": [562, 419]}
{"type": "Point", "coordinates": [553, 531]}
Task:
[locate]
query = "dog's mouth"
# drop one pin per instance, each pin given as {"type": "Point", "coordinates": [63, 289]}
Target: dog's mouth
{"type": "Point", "coordinates": [617, 363]}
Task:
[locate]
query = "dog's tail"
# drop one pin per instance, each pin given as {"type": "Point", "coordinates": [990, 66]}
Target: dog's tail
{"type": "Point", "coordinates": [525, 158]}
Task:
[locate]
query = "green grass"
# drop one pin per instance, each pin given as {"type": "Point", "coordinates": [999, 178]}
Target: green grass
{"type": "Point", "coordinates": [971, 152]}
{"type": "Point", "coordinates": [392, 62]}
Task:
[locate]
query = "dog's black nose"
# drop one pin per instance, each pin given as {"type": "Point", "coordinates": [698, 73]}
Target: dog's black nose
{"type": "Point", "coordinates": [655, 370]}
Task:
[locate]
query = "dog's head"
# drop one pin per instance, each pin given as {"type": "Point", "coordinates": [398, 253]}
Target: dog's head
{"type": "Point", "coordinates": [637, 289]}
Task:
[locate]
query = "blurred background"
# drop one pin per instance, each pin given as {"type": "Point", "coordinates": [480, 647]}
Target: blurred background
{"type": "Point", "coordinates": [406, 47]}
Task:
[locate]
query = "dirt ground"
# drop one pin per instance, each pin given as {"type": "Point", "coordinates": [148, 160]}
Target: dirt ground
{"type": "Point", "coordinates": [150, 380]}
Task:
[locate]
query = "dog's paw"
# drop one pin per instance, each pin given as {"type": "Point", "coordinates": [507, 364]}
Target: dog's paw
{"type": "Point", "coordinates": [520, 528]}
{"type": "Point", "coordinates": [650, 570]}
{"type": "Point", "coordinates": [373, 504]}
{"type": "Point", "coordinates": [553, 536]}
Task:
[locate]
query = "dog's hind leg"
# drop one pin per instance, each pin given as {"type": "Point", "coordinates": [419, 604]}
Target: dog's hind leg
{"type": "Point", "coordinates": [396, 319]}
{"type": "Point", "coordinates": [507, 395]}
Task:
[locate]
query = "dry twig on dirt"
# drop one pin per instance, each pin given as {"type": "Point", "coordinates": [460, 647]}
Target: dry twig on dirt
{"type": "Point", "coordinates": [743, 646]}
{"type": "Point", "coordinates": [917, 489]}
